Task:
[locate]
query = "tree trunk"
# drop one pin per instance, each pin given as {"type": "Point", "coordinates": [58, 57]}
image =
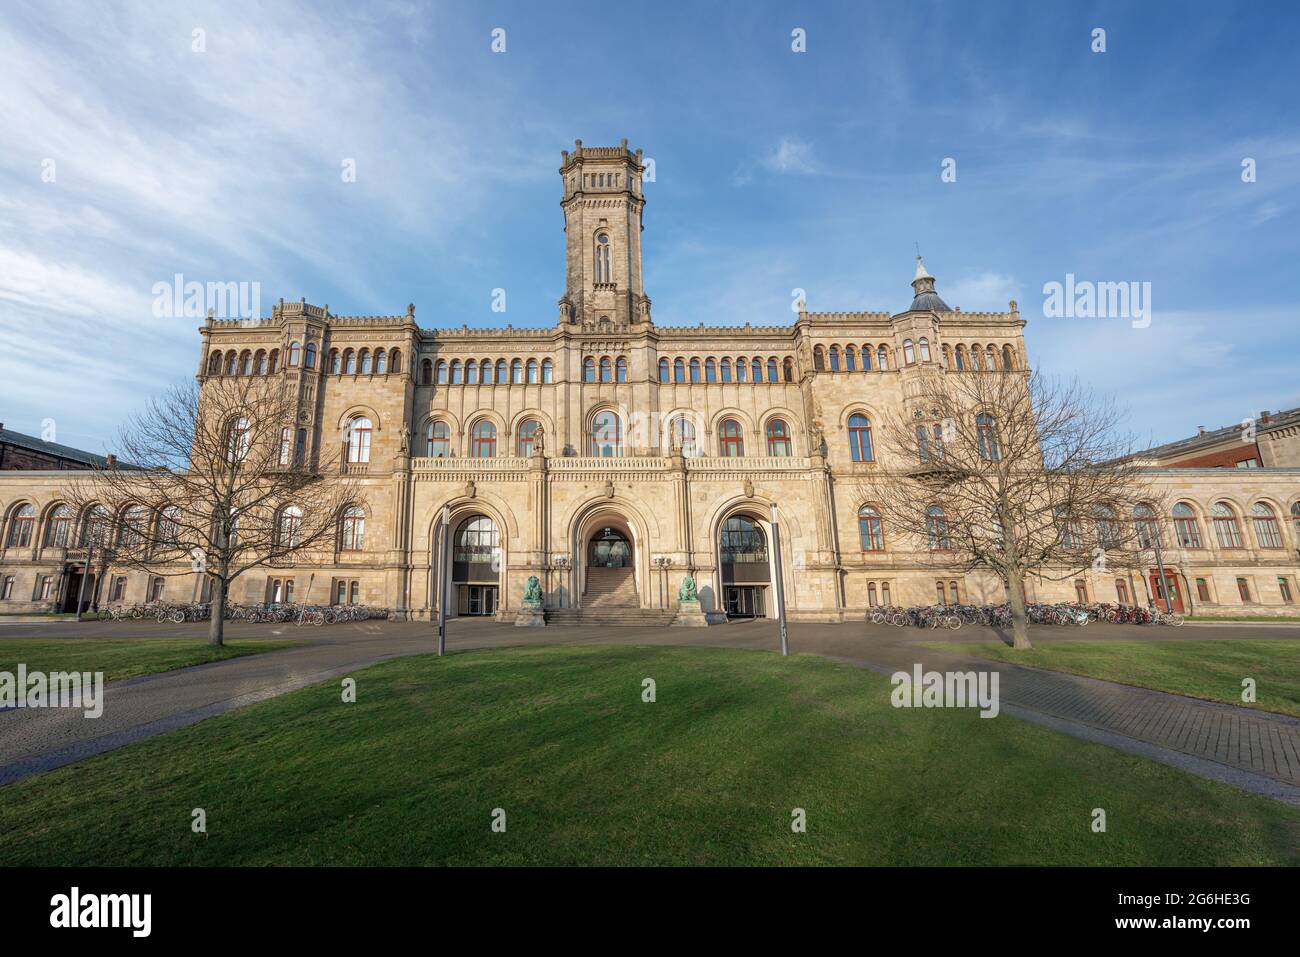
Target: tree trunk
{"type": "Point", "coordinates": [217, 624]}
{"type": "Point", "coordinates": [1019, 620]}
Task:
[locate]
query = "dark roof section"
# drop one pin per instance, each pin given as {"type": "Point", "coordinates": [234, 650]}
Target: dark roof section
{"type": "Point", "coordinates": [50, 448]}
{"type": "Point", "coordinates": [1264, 422]}
{"type": "Point", "coordinates": [925, 298]}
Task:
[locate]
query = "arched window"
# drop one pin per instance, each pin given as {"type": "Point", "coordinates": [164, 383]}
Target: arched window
{"type": "Point", "coordinates": [1267, 531]}
{"type": "Point", "coordinates": [289, 532]}
{"type": "Point", "coordinates": [349, 362]}
{"type": "Point", "coordinates": [603, 271]}
{"type": "Point", "coordinates": [241, 438]}
{"type": "Point", "coordinates": [606, 370]}
{"type": "Point", "coordinates": [924, 346]}
{"type": "Point", "coordinates": [548, 372]}
{"type": "Point", "coordinates": [134, 522]}
{"type": "Point", "coordinates": [477, 542]}
{"type": "Point", "coordinates": [1226, 529]}
{"type": "Point", "coordinates": [58, 527]}
{"type": "Point", "coordinates": [850, 359]}
{"type": "Point", "coordinates": [683, 435]}
{"type": "Point", "coordinates": [778, 438]}
{"type": "Point", "coordinates": [710, 370]}
{"type": "Point", "coordinates": [819, 359]}
{"type": "Point", "coordinates": [772, 375]}
{"type": "Point", "coordinates": [731, 440]}
{"type": "Point", "coordinates": [975, 363]}
{"type": "Point", "coordinates": [679, 370]}
{"type": "Point", "coordinates": [725, 370]}
{"type": "Point", "coordinates": [589, 369]}
{"type": "Point", "coordinates": [426, 371]}
{"type": "Point", "coordinates": [526, 438]}
{"type": "Point", "coordinates": [21, 525]}
{"type": "Point", "coordinates": [358, 439]}
{"type": "Point", "coordinates": [757, 369]}
{"type": "Point", "coordinates": [309, 360]}
{"type": "Point", "coordinates": [485, 375]}
{"type": "Point", "coordinates": [471, 371]}
{"type": "Point", "coordinates": [742, 369]}
{"type": "Point", "coordinates": [442, 372]}
{"type": "Point", "coordinates": [606, 435]}
{"type": "Point", "coordinates": [835, 358]}
{"type": "Point", "coordinates": [483, 440]}
{"type": "Point", "coordinates": [909, 353]}
{"type": "Point", "coordinates": [1108, 530]}
{"type": "Point", "coordinates": [986, 433]}
{"type": "Point", "coordinates": [532, 371]}
{"type": "Point", "coordinates": [517, 371]}
{"type": "Point", "coordinates": [395, 361]}
{"type": "Point", "coordinates": [381, 362]}
{"type": "Point", "coordinates": [503, 376]}
{"type": "Point", "coordinates": [232, 363]}
{"type": "Point", "coordinates": [882, 358]}
{"type": "Point", "coordinates": [169, 525]}
{"type": "Point", "coordinates": [286, 445]}
{"type": "Point", "coordinates": [742, 542]}
{"type": "Point", "coordinates": [95, 524]}
{"type": "Point", "coordinates": [259, 362]}
{"type": "Point", "coordinates": [788, 369]}
{"type": "Point", "coordinates": [214, 363]}
{"type": "Point", "coordinates": [961, 359]}
{"type": "Point", "coordinates": [245, 363]}
{"type": "Point", "coordinates": [295, 350]}
{"type": "Point", "coordinates": [275, 361]}
{"type": "Point", "coordinates": [457, 372]}
{"type": "Point", "coordinates": [991, 356]}
{"type": "Point", "coordinates": [871, 531]}
{"type": "Point", "coordinates": [438, 440]}
{"type": "Point", "coordinates": [1186, 528]}
{"type": "Point", "coordinates": [936, 529]}
{"type": "Point", "coordinates": [860, 438]}
{"type": "Point", "coordinates": [695, 370]}
{"type": "Point", "coordinates": [866, 358]}
{"type": "Point", "coordinates": [1295, 518]}
{"type": "Point", "coordinates": [1008, 357]}
{"type": "Point", "coordinates": [620, 369]}
{"type": "Point", "coordinates": [335, 362]}
{"type": "Point", "coordinates": [663, 370]}
{"type": "Point", "coordinates": [352, 529]}
{"type": "Point", "coordinates": [1144, 520]}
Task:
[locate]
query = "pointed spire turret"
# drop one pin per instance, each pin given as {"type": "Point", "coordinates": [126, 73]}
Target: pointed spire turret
{"type": "Point", "coordinates": [924, 298]}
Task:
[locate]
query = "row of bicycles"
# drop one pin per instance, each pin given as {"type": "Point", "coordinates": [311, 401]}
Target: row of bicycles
{"type": "Point", "coordinates": [953, 617]}
{"type": "Point", "coordinates": [282, 612]}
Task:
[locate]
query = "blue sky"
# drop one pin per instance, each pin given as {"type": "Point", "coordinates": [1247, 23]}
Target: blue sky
{"type": "Point", "coordinates": [774, 170]}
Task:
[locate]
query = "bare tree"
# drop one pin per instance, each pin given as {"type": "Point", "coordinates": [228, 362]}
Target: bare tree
{"type": "Point", "coordinates": [213, 479]}
{"type": "Point", "coordinates": [1009, 472]}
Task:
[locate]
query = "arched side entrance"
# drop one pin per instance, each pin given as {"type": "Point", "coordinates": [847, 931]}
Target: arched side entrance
{"type": "Point", "coordinates": [745, 568]}
{"type": "Point", "coordinates": [476, 567]}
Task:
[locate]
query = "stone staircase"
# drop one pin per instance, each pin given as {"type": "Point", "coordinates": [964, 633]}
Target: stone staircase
{"type": "Point", "coordinates": [610, 599]}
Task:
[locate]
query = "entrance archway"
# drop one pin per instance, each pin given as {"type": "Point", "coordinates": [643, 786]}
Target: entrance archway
{"type": "Point", "coordinates": [609, 548]}
{"type": "Point", "coordinates": [746, 570]}
{"type": "Point", "coordinates": [476, 567]}
{"type": "Point", "coordinates": [608, 551]}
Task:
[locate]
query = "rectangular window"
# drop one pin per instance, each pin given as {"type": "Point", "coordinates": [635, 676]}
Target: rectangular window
{"type": "Point", "coordinates": [1121, 591]}
{"type": "Point", "coordinates": [156, 589]}
{"type": "Point", "coordinates": [1202, 589]}
{"type": "Point", "coordinates": [8, 591]}
{"type": "Point", "coordinates": [118, 591]}
{"type": "Point", "coordinates": [1283, 586]}
{"type": "Point", "coordinates": [47, 588]}
{"type": "Point", "coordinates": [884, 592]}
{"type": "Point", "coordinates": [354, 595]}
{"type": "Point", "coordinates": [871, 593]}
{"type": "Point", "coordinates": [1081, 591]}
{"type": "Point", "coordinates": [288, 589]}
{"type": "Point", "coordinates": [938, 586]}
{"type": "Point", "coordinates": [1243, 589]}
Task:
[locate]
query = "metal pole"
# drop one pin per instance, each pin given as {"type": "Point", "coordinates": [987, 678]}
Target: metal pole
{"type": "Point", "coordinates": [81, 587]}
{"type": "Point", "coordinates": [442, 577]}
{"type": "Point", "coordinates": [780, 583]}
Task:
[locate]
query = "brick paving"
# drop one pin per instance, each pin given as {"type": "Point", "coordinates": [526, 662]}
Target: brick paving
{"type": "Point", "coordinates": [1253, 749]}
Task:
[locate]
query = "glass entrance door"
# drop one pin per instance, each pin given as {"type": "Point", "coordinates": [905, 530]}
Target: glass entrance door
{"type": "Point", "coordinates": [609, 549]}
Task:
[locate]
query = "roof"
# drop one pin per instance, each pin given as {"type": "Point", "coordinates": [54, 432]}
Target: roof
{"type": "Point", "coordinates": [1224, 434]}
{"type": "Point", "coordinates": [30, 442]}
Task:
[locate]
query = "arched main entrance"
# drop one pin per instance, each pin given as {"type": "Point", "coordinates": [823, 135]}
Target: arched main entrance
{"type": "Point", "coordinates": [609, 565]}
{"type": "Point", "coordinates": [746, 573]}
{"type": "Point", "coordinates": [476, 566]}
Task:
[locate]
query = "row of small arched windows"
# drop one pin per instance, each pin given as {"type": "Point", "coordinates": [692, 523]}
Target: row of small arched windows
{"type": "Point", "coordinates": [344, 362]}
{"type": "Point", "coordinates": [486, 372]}
{"type": "Point", "coordinates": [364, 362]}
{"type": "Point", "coordinates": [233, 363]}
{"type": "Point", "coordinates": [714, 370]}
{"type": "Point", "coordinates": [854, 359]}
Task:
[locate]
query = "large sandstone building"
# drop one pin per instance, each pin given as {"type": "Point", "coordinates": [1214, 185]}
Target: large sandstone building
{"type": "Point", "coordinates": [610, 456]}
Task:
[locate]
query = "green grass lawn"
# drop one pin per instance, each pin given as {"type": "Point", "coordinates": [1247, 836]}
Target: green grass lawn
{"type": "Point", "coordinates": [123, 657]}
{"type": "Point", "coordinates": [1207, 669]}
{"type": "Point", "coordinates": [587, 773]}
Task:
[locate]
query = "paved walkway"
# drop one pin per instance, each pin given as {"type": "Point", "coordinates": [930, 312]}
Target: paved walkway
{"type": "Point", "coordinates": [1253, 750]}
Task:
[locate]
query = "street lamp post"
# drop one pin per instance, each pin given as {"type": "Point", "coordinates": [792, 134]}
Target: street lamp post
{"type": "Point", "coordinates": [444, 557]}
{"type": "Point", "coordinates": [780, 582]}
